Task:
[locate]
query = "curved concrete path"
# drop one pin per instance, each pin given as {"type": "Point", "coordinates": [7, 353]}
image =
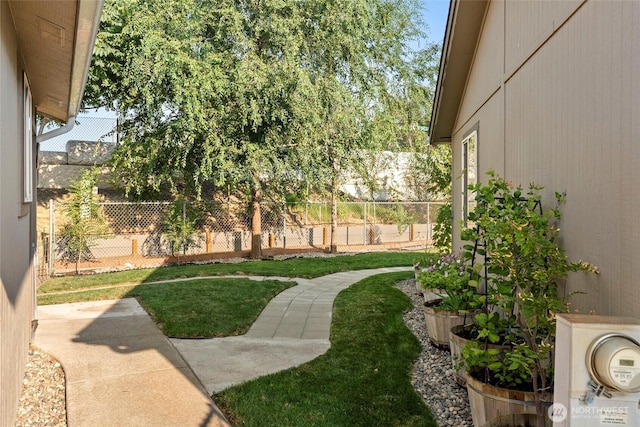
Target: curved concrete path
{"type": "Point", "coordinates": [293, 329]}
{"type": "Point", "coordinates": [122, 371]}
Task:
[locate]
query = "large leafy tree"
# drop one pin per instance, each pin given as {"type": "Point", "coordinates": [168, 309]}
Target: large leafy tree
{"type": "Point", "coordinates": [401, 125]}
{"type": "Point", "coordinates": [248, 93]}
{"type": "Point", "coordinates": [373, 89]}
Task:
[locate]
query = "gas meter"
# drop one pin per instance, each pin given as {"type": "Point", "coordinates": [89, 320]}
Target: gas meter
{"type": "Point", "coordinates": [597, 371]}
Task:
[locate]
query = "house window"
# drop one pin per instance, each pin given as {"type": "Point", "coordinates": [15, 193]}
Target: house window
{"type": "Point", "coordinates": [28, 143]}
{"type": "Point", "coordinates": [469, 173]}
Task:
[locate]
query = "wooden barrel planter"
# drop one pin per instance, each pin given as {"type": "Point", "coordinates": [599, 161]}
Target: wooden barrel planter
{"type": "Point", "coordinates": [439, 323]}
{"type": "Point", "coordinates": [517, 420]}
{"type": "Point", "coordinates": [488, 402]}
{"type": "Point", "coordinates": [456, 343]}
{"type": "Point", "coordinates": [433, 295]}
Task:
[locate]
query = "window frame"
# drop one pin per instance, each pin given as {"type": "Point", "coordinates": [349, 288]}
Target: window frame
{"type": "Point", "coordinates": [469, 172]}
{"type": "Point", "coordinates": [27, 146]}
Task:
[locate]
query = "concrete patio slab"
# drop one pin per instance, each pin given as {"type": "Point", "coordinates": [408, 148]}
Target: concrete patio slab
{"type": "Point", "coordinates": [120, 369]}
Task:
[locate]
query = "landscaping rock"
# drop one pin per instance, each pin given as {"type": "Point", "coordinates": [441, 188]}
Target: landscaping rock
{"type": "Point", "coordinates": [433, 376]}
{"type": "Point", "coordinates": [42, 402]}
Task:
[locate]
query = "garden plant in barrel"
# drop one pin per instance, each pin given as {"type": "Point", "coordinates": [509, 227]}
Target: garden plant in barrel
{"type": "Point", "coordinates": [514, 255]}
{"type": "Point", "coordinates": [455, 296]}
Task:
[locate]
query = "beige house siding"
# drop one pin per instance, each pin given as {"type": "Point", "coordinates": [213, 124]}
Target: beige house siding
{"type": "Point", "coordinates": [57, 70]}
{"type": "Point", "coordinates": [16, 295]}
{"type": "Point", "coordinates": [563, 112]}
{"type": "Point", "coordinates": [487, 65]}
{"type": "Point", "coordinates": [529, 23]}
{"type": "Point", "coordinates": [490, 151]}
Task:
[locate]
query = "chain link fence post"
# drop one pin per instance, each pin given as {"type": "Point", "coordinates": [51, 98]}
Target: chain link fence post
{"type": "Point", "coordinates": [284, 225]}
{"type": "Point", "coordinates": [138, 234]}
{"type": "Point", "coordinates": [373, 227]}
{"type": "Point", "coordinates": [429, 227]}
{"type": "Point", "coordinates": [364, 223]}
{"type": "Point", "coordinates": [52, 238]}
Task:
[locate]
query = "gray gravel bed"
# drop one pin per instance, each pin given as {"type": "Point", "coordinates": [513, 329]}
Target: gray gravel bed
{"type": "Point", "coordinates": [433, 374]}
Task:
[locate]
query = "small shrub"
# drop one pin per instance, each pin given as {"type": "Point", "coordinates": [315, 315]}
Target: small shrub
{"type": "Point", "coordinates": [85, 222]}
{"type": "Point", "coordinates": [442, 229]}
{"type": "Point", "coordinates": [180, 227]}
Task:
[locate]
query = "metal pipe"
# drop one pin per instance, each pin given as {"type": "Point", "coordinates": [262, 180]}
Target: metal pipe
{"type": "Point", "coordinates": [58, 131]}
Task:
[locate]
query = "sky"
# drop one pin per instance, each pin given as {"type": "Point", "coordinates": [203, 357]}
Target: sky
{"type": "Point", "coordinates": [435, 15]}
{"type": "Point", "coordinates": [434, 12]}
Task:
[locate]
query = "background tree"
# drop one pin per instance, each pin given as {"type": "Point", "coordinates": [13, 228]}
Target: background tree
{"type": "Point", "coordinates": [248, 93]}
{"type": "Point", "coordinates": [429, 174]}
{"type": "Point", "coordinates": [371, 85]}
{"type": "Point", "coordinates": [84, 221]}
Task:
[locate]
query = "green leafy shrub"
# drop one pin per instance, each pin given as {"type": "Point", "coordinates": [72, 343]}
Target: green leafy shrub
{"type": "Point", "coordinates": [403, 218]}
{"type": "Point", "coordinates": [180, 227]}
{"type": "Point", "coordinates": [447, 275]}
{"type": "Point", "coordinates": [85, 222]}
{"type": "Point", "coordinates": [517, 254]}
{"type": "Point", "coordinates": [443, 229]}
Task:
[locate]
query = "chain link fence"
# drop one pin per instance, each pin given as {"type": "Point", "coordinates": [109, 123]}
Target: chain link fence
{"type": "Point", "coordinates": [152, 233]}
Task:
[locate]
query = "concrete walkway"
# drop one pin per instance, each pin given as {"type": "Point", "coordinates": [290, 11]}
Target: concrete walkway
{"type": "Point", "coordinates": [121, 370]}
{"type": "Point", "coordinates": [293, 329]}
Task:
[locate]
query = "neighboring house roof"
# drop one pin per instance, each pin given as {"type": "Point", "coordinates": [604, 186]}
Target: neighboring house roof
{"type": "Point", "coordinates": [461, 37]}
{"type": "Point", "coordinates": [56, 38]}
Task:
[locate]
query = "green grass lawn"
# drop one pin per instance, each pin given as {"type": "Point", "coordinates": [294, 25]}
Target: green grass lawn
{"type": "Point", "coordinates": [363, 380]}
{"type": "Point", "coordinates": [201, 308]}
{"type": "Point", "coordinates": [208, 308]}
{"type": "Point", "coordinates": [299, 267]}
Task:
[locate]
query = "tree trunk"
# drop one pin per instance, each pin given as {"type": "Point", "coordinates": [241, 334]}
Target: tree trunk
{"type": "Point", "coordinates": [334, 207]}
{"type": "Point", "coordinates": [256, 218]}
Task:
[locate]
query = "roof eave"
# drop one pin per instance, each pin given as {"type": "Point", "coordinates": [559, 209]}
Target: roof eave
{"type": "Point", "coordinates": [461, 37]}
{"type": "Point", "coordinates": [55, 40]}
{"type": "Point", "coordinates": [88, 23]}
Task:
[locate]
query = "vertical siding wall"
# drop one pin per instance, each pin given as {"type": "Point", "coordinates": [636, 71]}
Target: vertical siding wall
{"type": "Point", "coordinates": [15, 290]}
{"type": "Point", "coordinates": [568, 112]}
